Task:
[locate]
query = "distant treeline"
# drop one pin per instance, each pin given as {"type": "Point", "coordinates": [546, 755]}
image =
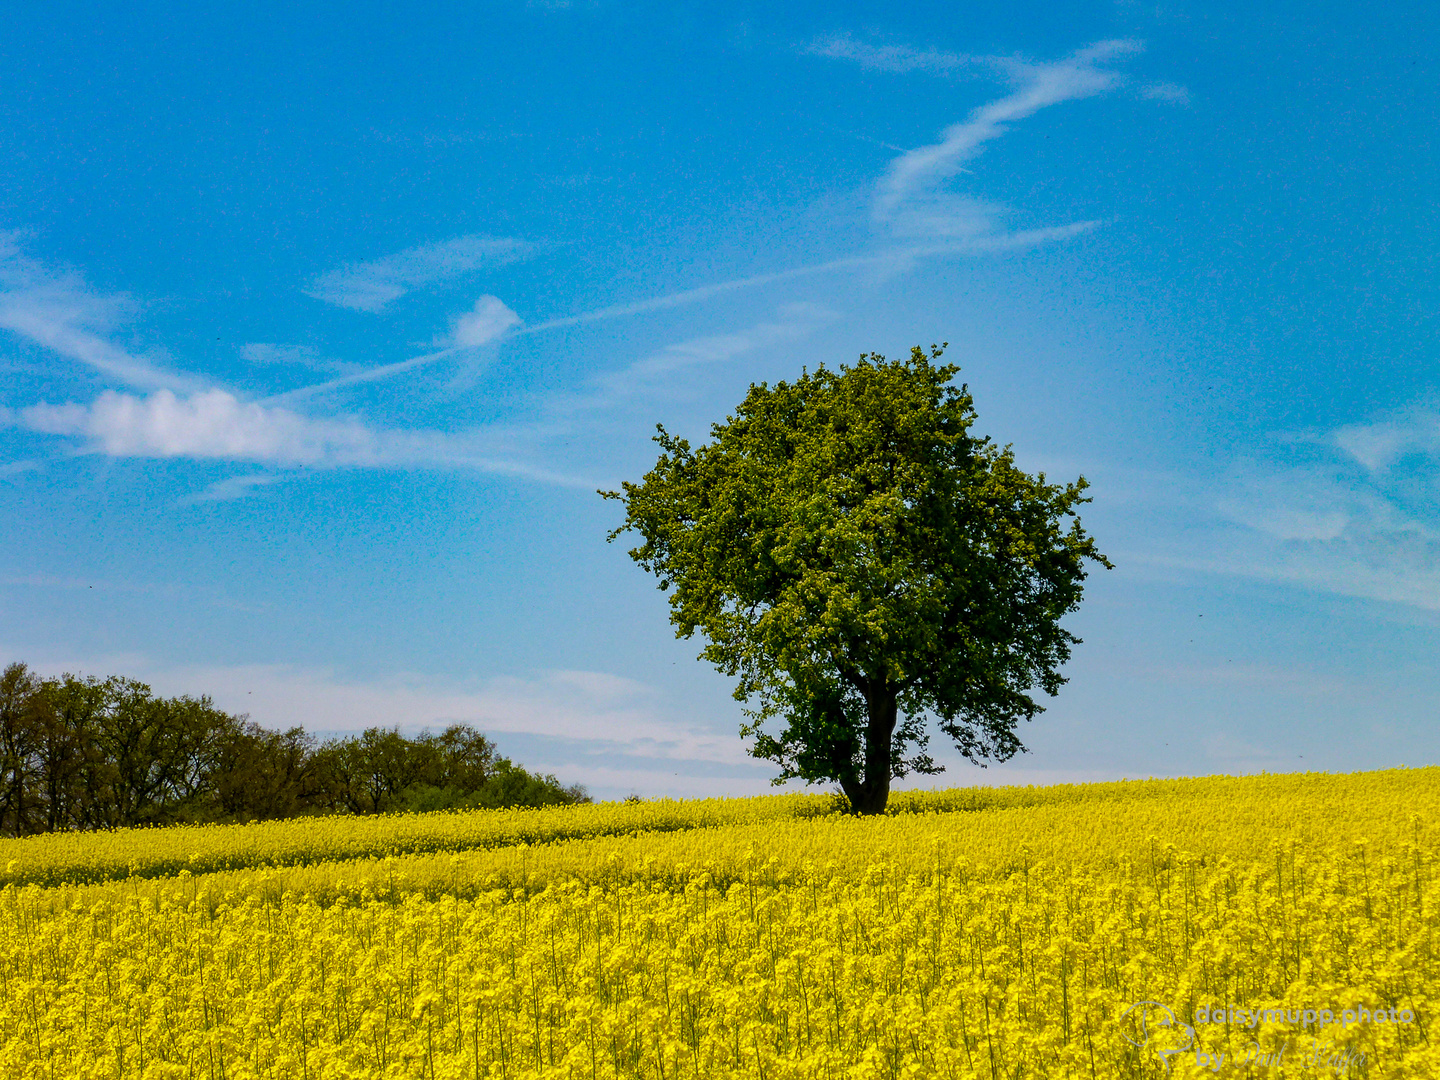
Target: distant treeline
{"type": "Point", "coordinates": [90, 753]}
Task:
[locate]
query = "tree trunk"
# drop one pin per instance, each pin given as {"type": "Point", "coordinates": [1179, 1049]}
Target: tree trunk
{"type": "Point", "coordinates": [870, 795]}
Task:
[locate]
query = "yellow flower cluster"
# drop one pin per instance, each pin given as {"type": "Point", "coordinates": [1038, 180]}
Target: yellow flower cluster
{"type": "Point", "coordinates": [74, 857]}
{"type": "Point", "coordinates": [971, 935]}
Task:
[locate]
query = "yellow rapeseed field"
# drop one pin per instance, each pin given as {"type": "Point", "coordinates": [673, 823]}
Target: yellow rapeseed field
{"type": "Point", "coordinates": [1262, 926]}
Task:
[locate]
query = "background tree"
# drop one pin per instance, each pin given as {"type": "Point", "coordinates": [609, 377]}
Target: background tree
{"type": "Point", "coordinates": [88, 753]}
{"type": "Point", "coordinates": [19, 743]}
{"type": "Point", "coordinates": [68, 766]}
{"type": "Point", "coordinates": [254, 773]}
{"type": "Point", "coordinates": [860, 561]}
{"type": "Point", "coordinates": [381, 770]}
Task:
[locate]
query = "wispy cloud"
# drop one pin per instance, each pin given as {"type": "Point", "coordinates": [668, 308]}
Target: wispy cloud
{"type": "Point", "coordinates": [888, 260]}
{"type": "Point", "coordinates": [914, 177]}
{"type": "Point", "coordinates": [909, 202]}
{"type": "Point", "coordinates": [613, 733]}
{"type": "Point", "coordinates": [1291, 504]}
{"type": "Point", "coordinates": [899, 58]}
{"type": "Point", "coordinates": [1396, 567]}
{"type": "Point", "coordinates": [57, 309]}
{"type": "Point", "coordinates": [215, 425]}
{"type": "Point", "coordinates": [891, 260]}
{"type": "Point", "coordinates": [1352, 512]}
{"type": "Point", "coordinates": [912, 202]}
{"type": "Point", "coordinates": [792, 322]}
{"type": "Point", "coordinates": [365, 375]}
{"type": "Point", "coordinates": [1167, 92]}
{"type": "Point", "coordinates": [594, 709]}
{"type": "Point", "coordinates": [370, 286]}
{"type": "Point", "coordinates": [906, 59]}
{"type": "Point", "coordinates": [267, 354]}
{"type": "Point", "coordinates": [234, 487]}
{"type": "Point", "coordinates": [1379, 446]}
{"type": "Point", "coordinates": [611, 311]}
{"type": "Point", "coordinates": [487, 322]}
{"type": "Point", "coordinates": [19, 467]}
{"type": "Point", "coordinates": [667, 373]}
{"type": "Point", "coordinates": [676, 365]}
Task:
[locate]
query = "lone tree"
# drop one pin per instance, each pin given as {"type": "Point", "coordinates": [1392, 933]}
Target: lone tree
{"type": "Point", "coordinates": [861, 562]}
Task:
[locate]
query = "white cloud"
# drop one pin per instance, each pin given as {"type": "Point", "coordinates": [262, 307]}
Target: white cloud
{"type": "Point", "coordinates": [707, 292]}
{"type": "Point", "coordinates": [1392, 566]}
{"type": "Point", "coordinates": [55, 308]}
{"type": "Point", "coordinates": [212, 424]}
{"type": "Point", "coordinates": [218, 426]}
{"type": "Point", "coordinates": [488, 320]}
{"type": "Point", "coordinates": [370, 286]}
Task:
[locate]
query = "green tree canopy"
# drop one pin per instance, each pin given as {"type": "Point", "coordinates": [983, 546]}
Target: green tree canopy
{"type": "Point", "coordinates": [862, 562]}
{"type": "Point", "coordinates": [89, 753]}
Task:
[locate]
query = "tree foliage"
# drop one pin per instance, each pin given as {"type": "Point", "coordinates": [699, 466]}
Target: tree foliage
{"type": "Point", "coordinates": [91, 753]}
{"type": "Point", "coordinates": [860, 562]}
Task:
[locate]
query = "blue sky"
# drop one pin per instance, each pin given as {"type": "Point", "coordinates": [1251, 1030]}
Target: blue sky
{"type": "Point", "coordinates": [318, 333]}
